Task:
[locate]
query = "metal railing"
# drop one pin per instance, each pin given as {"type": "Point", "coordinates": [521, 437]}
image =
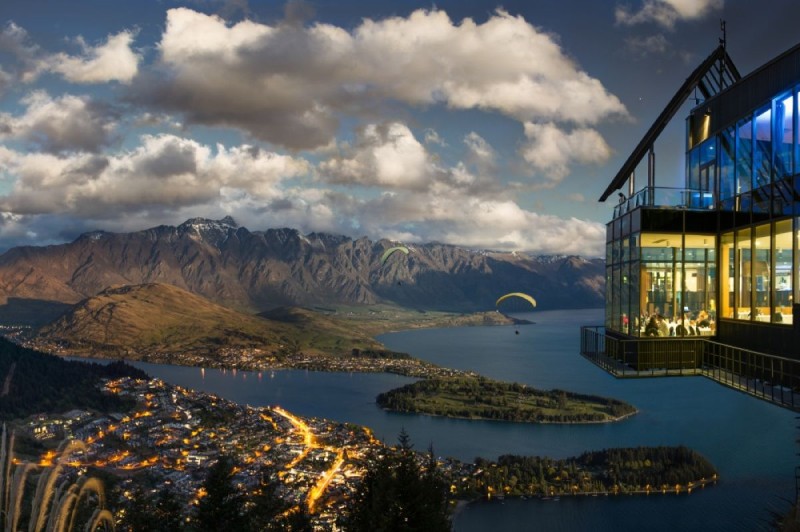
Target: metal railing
{"type": "Point", "coordinates": [682, 198]}
{"type": "Point", "coordinates": [769, 377]}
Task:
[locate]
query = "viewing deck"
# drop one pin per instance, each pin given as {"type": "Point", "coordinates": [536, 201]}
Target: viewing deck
{"type": "Point", "coordinates": [771, 378]}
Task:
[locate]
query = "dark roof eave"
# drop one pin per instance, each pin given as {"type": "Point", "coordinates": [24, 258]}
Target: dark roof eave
{"type": "Point", "coordinates": [667, 115]}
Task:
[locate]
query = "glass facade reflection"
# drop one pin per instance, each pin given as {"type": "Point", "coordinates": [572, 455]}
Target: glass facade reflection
{"type": "Point", "coordinates": [727, 248]}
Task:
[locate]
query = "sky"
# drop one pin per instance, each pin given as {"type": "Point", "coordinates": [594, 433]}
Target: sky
{"type": "Point", "coordinates": [481, 124]}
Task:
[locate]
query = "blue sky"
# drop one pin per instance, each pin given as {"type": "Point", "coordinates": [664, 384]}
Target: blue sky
{"type": "Point", "coordinates": [474, 123]}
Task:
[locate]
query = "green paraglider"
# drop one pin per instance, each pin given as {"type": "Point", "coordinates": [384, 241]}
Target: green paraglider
{"type": "Point", "coordinates": [391, 250]}
{"type": "Point", "coordinates": [526, 297]}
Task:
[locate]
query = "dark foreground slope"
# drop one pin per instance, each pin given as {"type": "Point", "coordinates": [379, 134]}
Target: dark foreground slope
{"type": "Point", "coordinates": [32, 382]}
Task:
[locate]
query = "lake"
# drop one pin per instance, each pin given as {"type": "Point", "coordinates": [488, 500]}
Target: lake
{"type": "Point", "coordinates": [751, 442]}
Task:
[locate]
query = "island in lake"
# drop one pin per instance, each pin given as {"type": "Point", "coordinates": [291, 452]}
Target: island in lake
{"type": "Point", "coordinates": [481, 398]}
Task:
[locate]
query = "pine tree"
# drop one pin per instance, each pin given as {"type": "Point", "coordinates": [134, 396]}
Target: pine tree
{"type": "Point", "coordinates": [396, 495]}
{"type": "Point", "coordinates": [222, 506]}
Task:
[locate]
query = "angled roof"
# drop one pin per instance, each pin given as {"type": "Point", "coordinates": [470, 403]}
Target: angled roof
{"type": "Point", "coordinates": [712, 76]}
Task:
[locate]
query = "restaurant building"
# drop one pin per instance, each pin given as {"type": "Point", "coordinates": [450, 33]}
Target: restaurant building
{"type": "Point", "coordinates": [705, 279]}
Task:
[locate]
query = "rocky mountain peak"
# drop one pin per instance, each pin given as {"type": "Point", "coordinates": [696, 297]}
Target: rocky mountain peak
{"type": "Point", "coordinates": [214, 232]}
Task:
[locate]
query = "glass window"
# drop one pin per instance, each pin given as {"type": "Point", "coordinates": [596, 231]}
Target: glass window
{"type": "Point", "coordinates": [727, 184]}
{"type": "Point", "coordinates": [609, 295]}
{"type": "Point", "coordinates": [615, 297]}
{"type": "Point", "coordinates": [762, 261]}
{"type": "Point", "coordinates": [743, 275]}
{"type": "Point", "coordinates": [744, 157]}
{"type": "Point", "coordinates": [659, 281]}
{"type": "Point", "coordinates": [699, 281]}
{"type": "Point", "coordinates": [782, 272]}
{"type": "Point", "coordinates": [694, 169]}
{"type": "Point", "coordinates": [796, 276]}
{"type": "Point", "coordinates": [783, 135]}
{"type": "Point", "coordinates": [708, 173]}
{"type": "Point", "coordinates": [762, 154]}
{"type": "Point", "coordinates": [727, 275]}
{"type": "Point", "coordinates": [624, 299]}
{"type": "Point", "coordinates": [635, 311]}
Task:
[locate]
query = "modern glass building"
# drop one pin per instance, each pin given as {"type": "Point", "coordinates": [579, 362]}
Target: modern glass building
{"type": "Point", "coordinates": [706, 277]}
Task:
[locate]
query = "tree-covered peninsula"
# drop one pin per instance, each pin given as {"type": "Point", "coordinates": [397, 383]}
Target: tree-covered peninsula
{"type": "Point", "coordinates": [482, 398]}
{"type": "Point", "coordinates": [609, 471]}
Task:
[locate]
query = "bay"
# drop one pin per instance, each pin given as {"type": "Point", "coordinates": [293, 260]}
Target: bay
{"type": "Point", "coordinates": [750, 441]}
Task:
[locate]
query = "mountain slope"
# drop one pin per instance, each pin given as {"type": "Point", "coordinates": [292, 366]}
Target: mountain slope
{"type": "Point", "coordinates": [260, 270]}
{"type": "Point", "coordinates": [159, 318]}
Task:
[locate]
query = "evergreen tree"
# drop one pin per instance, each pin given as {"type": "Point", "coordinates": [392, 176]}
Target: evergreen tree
{"type": "Point", "coordinates": [267, 509]}
{"type": "Point", "coordinates": [397, 495]}
{"type": "Point", "coordinates": [168, 513]}
{"type": "Point", "coordinates": [222, 506]}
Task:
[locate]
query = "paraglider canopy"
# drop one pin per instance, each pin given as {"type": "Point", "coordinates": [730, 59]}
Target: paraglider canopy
{"type": "Point", "coordinates": [526, 297]}
{"type": "Point", "coordinates": [392, 250]}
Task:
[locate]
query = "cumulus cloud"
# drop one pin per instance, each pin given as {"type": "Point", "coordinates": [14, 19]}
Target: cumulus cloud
{"type": "Point", "coordinates": [14, 40]}
{"type": "Point", "coordinates": [666, 12]}
{"type": "Point", "coordinates": [165, 172]}
{"type": "Point", "coordinates": [113, 60]}
{"type": "Point", "coordinates": [384, 155]}
{"type": "Point", "coordinates": [551, 151]}
{"type": "Point", "coordinates": [467, 220]}
{"type": "Point", "coordinates": [389, 156]}
{"type": "Point", "coordinates": [288, 83]}
{"type": "Point", "coordinates": [61, 124]}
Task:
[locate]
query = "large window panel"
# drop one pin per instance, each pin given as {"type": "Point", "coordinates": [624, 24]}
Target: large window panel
{"type": "Point", "coordinates": [609, 306]}
{"type": "Point", "coordinates": [762, 261]}
{"type": "Point", "coordinates": [783, 136]}
{"type": "Point", "coordinates": [635, 310]}
{"type": "Point", "coordinates": [727, 263]}
{"type": "Point", "coordinates": [796, 269]}
{"type": "Point", "coordinates": [699, 280]}
{"type": "Point", "coordinates": [708, 173]}
{"type": "Point", "coordinates": [727, 181]}
{"type": "Point", "coordinates": [782, 272]}
{"type": "Point", "coordinates": [744, 157]}
{"type": "Point", "coordinates": [762, 155]}
{"type": "Point", "coordinates": [744, 291]}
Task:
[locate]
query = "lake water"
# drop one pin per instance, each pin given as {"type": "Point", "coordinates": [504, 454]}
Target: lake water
{"type": "Point", "coordinates": [749, 441]}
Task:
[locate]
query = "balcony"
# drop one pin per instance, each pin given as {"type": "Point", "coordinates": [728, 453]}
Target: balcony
{"type": "Point", "coordinates": [667, 198]}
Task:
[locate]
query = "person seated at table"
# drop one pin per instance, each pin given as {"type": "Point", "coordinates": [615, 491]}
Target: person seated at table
{"type": "Point", "coordinates": [703, 320]}
{"type": "Point", "coordinates": [663, 328]}
{"type": "Point", "coordinates": [651, 329]}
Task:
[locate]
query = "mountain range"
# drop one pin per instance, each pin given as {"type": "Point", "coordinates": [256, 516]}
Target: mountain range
{"type": "Point", "coordinates": [254, 271]}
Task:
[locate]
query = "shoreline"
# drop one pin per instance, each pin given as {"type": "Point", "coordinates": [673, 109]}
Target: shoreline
{"type": "Point", "coordinates": [613, 420]}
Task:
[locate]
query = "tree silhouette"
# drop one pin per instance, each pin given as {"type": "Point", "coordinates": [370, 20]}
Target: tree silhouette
{"type": "Point", "coordinates": [399, 494]}
{"type": "Point", "coordinates": [221, 508]}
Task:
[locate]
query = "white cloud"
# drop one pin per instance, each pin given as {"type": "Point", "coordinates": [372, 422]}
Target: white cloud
{"type": "Point", "coordinates": [389, 156]}
{"type": "Point", "coordinates": [466, 220]}
{"type": "Point", "coordinates": [551, 151]}
{"type": "Point", "coordinates": [61, 124]}
{"type": "Point", "coordinates": [113, 60]}
{"type": "Point", "coordinates": [385, 155]}
{"type": "Point", "coordinates": [288, 83]}
{"type": "Point", "coordinates": [165, 172]}
{"type": "Point", "coordinates": [15, 41]}
{"type": "Point", "coordinates": [667, 12]}
{"type": "Point", "coordinates": [432, 137]}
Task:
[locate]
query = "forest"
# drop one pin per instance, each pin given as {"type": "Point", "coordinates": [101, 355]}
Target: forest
{"type": "Point", "coordinates": [610, 471]}
{"type": "Point", "coordinates": [32, 382]}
